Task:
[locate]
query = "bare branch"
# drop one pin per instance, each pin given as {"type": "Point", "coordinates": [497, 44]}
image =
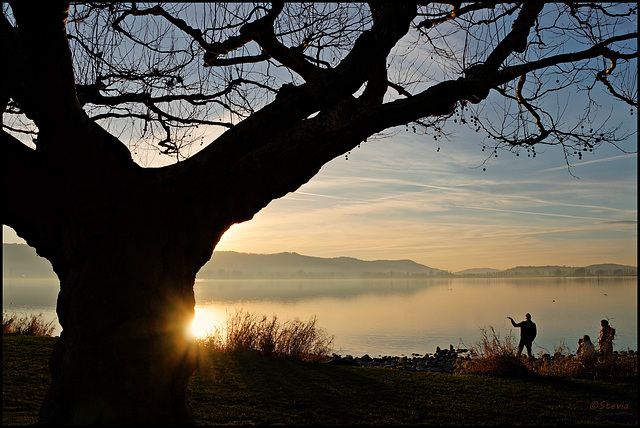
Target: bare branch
{"type": "Point", "coordinates": [217, 64]}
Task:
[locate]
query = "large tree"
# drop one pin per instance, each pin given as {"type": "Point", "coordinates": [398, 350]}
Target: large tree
{"type": "Point", "coordinates": [249, 101]}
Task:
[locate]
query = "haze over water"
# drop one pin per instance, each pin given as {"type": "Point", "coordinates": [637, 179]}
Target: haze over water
{"type": "Point", "coordinates": [402, 316]}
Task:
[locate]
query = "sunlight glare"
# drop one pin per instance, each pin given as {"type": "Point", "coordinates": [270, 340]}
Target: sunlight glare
{"type": "Point", "coordinates": [206, 320]}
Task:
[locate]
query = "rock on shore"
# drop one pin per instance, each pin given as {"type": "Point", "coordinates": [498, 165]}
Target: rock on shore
{"type": "Point", "coordinates": [441, 361]}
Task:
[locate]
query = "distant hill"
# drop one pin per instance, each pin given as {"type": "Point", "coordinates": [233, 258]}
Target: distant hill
{"type": "Point", "coordinates": [230, 264]}
{"type": "Point", "coordinates": [21, 261]}
{"type": "Point", "coordinates": [477, 271]}
{"type": "Point", "coordinates": [598, 269]}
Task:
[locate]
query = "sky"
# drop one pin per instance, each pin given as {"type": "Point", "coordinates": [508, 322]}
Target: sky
{"type": "Point", "coordinates": [398, 197]}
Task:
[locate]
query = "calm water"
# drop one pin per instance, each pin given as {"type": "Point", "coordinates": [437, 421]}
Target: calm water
{"type": "Point", "coordinates": [395, 317]}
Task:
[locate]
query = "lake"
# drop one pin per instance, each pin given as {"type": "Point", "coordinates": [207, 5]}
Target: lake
{"type": "Point", "coordinates": [402, 316]}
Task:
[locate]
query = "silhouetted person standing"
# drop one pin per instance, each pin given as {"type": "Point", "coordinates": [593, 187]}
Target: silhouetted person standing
{"type": "Point", "coordinates": [528, 332]}
{"type": "Point", "coordinates": [605, 341]}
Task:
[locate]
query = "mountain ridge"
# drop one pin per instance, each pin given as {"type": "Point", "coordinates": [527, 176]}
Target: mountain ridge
{"type": "Point", "coordinates": [21, 260]}
{"type": "Point", "coordinates": [291, 262]}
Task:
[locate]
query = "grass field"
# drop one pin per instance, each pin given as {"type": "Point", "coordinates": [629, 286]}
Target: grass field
{"type": "Point", "coordinates": [246, 388]}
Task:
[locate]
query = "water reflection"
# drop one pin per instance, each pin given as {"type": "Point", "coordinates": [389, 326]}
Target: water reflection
{"type": "Point", "coordinates": [394, 317]}
{"type": "Point", "coordinates": [391, 317]}
{"type": "Point", "coordinates": [22, 296]}
{"type": "Point", "coordinates": [293, 290]}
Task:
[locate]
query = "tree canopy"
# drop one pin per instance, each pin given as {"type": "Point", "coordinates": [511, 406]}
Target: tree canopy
{"type": "Point", "coordinates": [173, 77]}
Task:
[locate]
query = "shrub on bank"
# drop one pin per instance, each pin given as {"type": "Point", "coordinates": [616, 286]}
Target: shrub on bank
{"type": "Point", "coordinates": [29, 325]}
{"type": "Point", "coordinates": [245, 331]}
{"type": "Point", "coordinates": [492, 355]}
{"type": "Point", "coordinates": [621, 365]}
{"type": "Point", "coordinates": [495, 356]}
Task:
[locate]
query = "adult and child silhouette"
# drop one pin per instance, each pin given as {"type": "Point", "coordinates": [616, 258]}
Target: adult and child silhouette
{"type": "Point", "coordinates": [528, 332]}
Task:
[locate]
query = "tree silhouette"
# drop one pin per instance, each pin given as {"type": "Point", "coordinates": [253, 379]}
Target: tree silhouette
{"type": "Point", "coordinates": [250, 101]}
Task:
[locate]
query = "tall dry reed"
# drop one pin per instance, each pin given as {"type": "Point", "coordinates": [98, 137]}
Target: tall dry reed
{"type": "Point", "coordinates": [245, 331]}
{"type": "Point", "coordinates": [493, 355]}
{"type": "Point", "coordinates": [27, 324]}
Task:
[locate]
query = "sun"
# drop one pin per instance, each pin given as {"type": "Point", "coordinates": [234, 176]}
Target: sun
{"type": "Point", "coordinates": [206, 319]}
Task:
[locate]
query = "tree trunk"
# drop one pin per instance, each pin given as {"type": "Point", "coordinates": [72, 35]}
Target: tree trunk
{"type": "Point", "coordinates": [125, 353]}
{"type": "Point", "coordinates": [126, 246]}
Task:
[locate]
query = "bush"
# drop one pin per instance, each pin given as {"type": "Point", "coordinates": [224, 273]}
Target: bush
{"type": "Point", "coordinates": [30, 325]}
{"type": "Point", "coordinates": [495, 356]}
{"type": "Point", "coordinates": [621, 365]}
{"type": "Point", "coordinates": [244, 331]}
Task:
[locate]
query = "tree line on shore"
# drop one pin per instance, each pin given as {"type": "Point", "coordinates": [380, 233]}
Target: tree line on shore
{"type": "Point", "coordinates": [21, 261]}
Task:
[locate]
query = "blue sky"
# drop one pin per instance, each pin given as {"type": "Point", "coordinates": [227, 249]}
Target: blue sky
{"type": "Point", "coordinates": [399, 198]}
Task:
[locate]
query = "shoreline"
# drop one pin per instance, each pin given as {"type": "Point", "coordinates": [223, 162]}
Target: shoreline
{"type": "Point", "coordinates": [442, 361]}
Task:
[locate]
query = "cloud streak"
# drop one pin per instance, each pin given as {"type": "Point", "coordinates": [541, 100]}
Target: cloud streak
{"type": "Point", "coordinates": [591, 162]}
{"type": "Point", "coordinates": [400, 199]}
{"type": "Point", "coordinates": [386, 203]}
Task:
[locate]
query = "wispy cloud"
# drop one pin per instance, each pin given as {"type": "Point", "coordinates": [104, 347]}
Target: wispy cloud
{"type": "Point", "coordinates": [536, 213]}
{"type": "Point", "coordinates": [591, 162]}
{"type": "Point", "coordinates": [634, 222]}
{"type": "Point", "coordinates": [403, 201]}
{"type": "Point", "coordinates": [399, 198]}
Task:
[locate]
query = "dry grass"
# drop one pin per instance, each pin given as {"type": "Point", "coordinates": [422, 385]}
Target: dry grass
{"type": "Point", "coordinates": [30, 325]}
{"type": "Point", "coordinates": [621, 365]}
{"type": "Point", "coordinates": [495, 356]}
{"type": "Point", "coordinates": [245, 331]}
